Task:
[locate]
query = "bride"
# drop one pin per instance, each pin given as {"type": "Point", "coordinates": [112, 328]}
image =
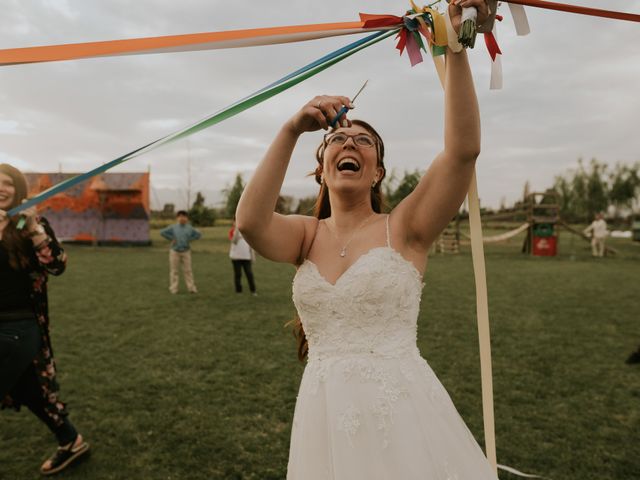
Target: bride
{"type": "Point", "coordinates": [369, 406]}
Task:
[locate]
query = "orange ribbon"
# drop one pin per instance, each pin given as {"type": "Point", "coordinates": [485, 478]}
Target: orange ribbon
{"type": "Point", "coordinates": [173, 43]}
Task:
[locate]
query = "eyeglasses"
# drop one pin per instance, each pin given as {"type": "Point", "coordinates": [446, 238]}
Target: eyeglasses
{"type": "Point", "coordinates": [339, 138]}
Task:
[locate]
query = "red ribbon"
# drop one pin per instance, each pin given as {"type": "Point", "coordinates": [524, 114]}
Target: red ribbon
{"type": "Point", "coordinates": [405, 38]}
{"type": "Point", "coordinates": [402, 40]}
{"type": "Point", "coordinates": [492, 45]}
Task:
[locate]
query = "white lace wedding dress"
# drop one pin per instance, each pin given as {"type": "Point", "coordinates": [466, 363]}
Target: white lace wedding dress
{"type": "Point", "coordinates": [369, 406]}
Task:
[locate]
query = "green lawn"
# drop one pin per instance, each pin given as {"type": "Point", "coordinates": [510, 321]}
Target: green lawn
{"type": "Point", "coordinates": [203, 386]}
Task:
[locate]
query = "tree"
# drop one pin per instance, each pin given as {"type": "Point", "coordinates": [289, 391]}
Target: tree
{"type": "Point", "coordinates": [583, 193]}
{"type": "Point", "coordinates": [233, 195]}
{"type": "Point", "coordinates": [563, 187]}
{"type": "Point", "coordinates": [394, 195]}
{"type": "Point", "coordinates": [284, 205]}
{"type": "Point", "coordinates": [624, 186]}
{"type": "Point", "coordinates": [201, 215]}
{"type": "Point", "coordinates": [306, 206]}
{"type": "Point", "coordinates": [597, 189]}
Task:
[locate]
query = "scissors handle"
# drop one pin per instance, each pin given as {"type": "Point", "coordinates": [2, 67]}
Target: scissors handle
{"type": "Point", "coordinates": [342, 111]}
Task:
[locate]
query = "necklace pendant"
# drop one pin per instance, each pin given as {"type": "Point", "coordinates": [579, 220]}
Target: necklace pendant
{"type": "Point", "coordinates": [343, 252]}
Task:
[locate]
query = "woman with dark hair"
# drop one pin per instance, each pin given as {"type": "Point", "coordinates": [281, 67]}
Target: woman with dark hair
{"type": "Point", "coordinates": [369, 406]}
{"type": "Point", "coordinates": [27, 367]}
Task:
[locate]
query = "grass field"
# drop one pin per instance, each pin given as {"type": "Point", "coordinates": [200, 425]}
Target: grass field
{"type": "Point", "coordinates": [203, 386]}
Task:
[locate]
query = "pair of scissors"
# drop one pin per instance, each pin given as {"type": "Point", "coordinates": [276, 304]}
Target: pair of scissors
{"type": "Point", "coordinates": [345, 109]}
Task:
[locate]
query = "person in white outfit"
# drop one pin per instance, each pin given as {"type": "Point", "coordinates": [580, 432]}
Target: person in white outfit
{"type": "Point", "coordinates": [242, 257]}
{"type": "Point", "coordinates": [369, 406]}
{"type": "Point", "coordinates": [598, 231]}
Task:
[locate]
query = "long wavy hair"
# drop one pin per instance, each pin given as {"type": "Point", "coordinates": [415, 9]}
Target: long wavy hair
{"type": "Point", "coordinates": [322, 209]}
{"type": "Point", "coordinates": [15, 241]}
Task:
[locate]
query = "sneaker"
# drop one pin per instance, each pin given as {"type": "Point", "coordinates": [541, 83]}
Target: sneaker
{"type": "Point", "coordinates": [255, 294]}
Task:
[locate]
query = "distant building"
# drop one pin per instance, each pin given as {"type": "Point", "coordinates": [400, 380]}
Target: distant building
{"type": "Point", "coordinates": [112, 208]}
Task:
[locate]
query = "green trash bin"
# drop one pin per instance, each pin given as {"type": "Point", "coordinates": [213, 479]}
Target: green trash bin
{"type": "Point", "coordinates": [543, 230]}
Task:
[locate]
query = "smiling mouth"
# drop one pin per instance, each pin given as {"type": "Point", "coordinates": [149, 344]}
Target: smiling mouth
{"type": "Point", "coordinates": [348, 164]}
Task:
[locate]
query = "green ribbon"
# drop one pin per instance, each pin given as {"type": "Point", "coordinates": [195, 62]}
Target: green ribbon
{"type": "Point", "coordinates": [254, 99]}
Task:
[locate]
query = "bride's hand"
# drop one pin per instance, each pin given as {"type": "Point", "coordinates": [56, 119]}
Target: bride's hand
{"type": "Point", "coordinates": [318, 113]}
{"type": "Point", "coordinates": [455, 11]}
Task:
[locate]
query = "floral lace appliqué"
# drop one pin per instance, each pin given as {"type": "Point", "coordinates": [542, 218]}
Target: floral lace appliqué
{"type": "Point", "coordinates": [389, 391]}
{"type": "Point", "coordinates": [349, 422]}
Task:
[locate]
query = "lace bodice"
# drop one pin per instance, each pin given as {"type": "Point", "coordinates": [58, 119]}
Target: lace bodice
{"type": "Point", "coordinates": [372, 308]}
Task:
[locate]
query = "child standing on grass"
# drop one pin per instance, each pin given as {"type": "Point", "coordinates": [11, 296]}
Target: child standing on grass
{"type": "Point", "coordinates": [242, 256]}
{"type": "Point", "coordinates": [181, 234]}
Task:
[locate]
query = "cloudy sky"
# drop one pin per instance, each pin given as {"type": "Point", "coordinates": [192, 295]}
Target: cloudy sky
{"type": "Point", "coordinates": [571, 89]}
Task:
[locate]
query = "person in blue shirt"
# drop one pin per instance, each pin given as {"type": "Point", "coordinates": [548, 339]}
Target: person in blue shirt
{"type": "Point", "coordinates": [181, 234]}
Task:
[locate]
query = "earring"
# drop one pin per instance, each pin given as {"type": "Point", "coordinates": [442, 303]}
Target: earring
{"type": "Point", "coordinates": [373, 185]}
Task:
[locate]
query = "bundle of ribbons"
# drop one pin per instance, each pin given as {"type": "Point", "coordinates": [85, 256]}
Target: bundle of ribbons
{"type": "Point", "coordinates": [421, 29]}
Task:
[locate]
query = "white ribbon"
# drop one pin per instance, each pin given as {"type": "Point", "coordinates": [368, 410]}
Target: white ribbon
{"type": "Point", "coordinates": [519, 473]}
{"type": "Point", "coordinates": [520, 19]}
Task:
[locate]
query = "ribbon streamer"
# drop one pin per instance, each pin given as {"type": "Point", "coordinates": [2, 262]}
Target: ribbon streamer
{"type": "Point", "coordinates": [187, 43]}
{"type": "Point", "coordinates": [563, 7]}
{"type": "Point", "coordinates": [482, 311]}
{"type": "Point", "coordinates": [415, 22]}
{"type": "Point", "coordinates": [519, 19]}
{"type": "Point", "coordinates": [518, 473]}
{"type": "Point", "coordinates": [241, 105]}
{"type": "Point", "coordinates": [492, 45]}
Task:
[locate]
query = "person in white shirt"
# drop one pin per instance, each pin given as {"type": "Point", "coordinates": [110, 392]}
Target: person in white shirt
{"type": "Point", "coordinates": [598, 231]}
{"type": "Point", "coordinates": [242, 256]}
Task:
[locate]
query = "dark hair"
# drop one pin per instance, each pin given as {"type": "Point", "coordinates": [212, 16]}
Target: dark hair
{"type": "Point", "coordinates": [182, 213]}
{"type": "Point", "coordinates": [322, 209]}
{"type": "Point", "coordinates": [16, 241]}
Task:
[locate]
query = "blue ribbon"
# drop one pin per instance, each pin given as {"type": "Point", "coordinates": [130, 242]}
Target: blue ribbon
{"type": "Point", "coordinates": [319, 64]}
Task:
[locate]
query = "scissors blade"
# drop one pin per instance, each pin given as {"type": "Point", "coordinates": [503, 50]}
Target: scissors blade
{"type": "Point", "coordinates": [361, 88]}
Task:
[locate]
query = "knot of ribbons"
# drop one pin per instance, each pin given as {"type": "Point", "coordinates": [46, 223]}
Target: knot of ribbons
{"type": "Point", "coordinates": [419, 22]}
{"type": "Point", "coordinates": [415, 24]}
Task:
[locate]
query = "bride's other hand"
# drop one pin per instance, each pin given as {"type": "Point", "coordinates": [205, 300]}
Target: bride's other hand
{"type": "Point", "coordinates": [455, 11]}
{"type": "Point", "coordinates": [318, 113]}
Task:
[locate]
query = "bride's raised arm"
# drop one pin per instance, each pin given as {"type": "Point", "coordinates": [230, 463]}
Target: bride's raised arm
{"type": "Point", "coordinates": [281, 237]}
{"type": "Point", "coordinates": [423, 214]}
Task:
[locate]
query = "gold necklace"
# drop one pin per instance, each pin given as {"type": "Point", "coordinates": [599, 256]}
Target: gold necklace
{"type": "Point", "coordinates": [343, 251]}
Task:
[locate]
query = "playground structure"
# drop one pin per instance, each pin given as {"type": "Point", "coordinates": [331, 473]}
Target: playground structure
{"type": "Point", "coordinates": [449, 240]}
{"type": "Point", "coordinates": [540, 213]}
